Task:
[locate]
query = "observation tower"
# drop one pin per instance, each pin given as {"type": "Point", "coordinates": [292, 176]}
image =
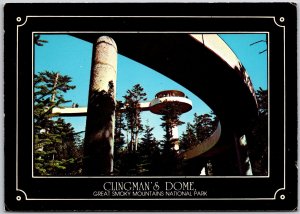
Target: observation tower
{"type": "Point", "coordinates": [159, 104]}
{"type": "Point", "coordinates": [162, 104]}
{"type": "Point", "coordinates": [166, 101]}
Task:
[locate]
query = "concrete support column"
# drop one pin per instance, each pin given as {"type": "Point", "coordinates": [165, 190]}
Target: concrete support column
{"type": "Point", "coordinates": [100, 123]}
{"type": "Point", "coordinates": [175, 132]}
{"type": "Point", "coordinates": [243, 159]}
{"type": "Point", "coordinates": [175, 138]}
{"type": "Point", "coordinates": [245, 156]}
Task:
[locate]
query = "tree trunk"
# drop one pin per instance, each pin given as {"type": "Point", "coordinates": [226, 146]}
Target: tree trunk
{"type": "Point", "coordinates": [54, 86]}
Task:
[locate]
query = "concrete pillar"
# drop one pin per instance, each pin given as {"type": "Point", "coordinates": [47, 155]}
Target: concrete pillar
{"type": "Point", "coordinates": [175, 138]}
{"type": "Point", "coordinates": [100, 122]}
{"type": "Point", "coordinates": [245, 155]}
{"type": "Point", "coordinates": [243, 159]}
{"type": "Point", "coordinates": [175, 132]}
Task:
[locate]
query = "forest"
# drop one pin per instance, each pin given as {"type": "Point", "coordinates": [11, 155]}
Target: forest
{"type": "Point", "coordinates": [58, 149]}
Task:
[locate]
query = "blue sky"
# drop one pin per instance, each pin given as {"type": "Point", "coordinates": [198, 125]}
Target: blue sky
{"type": "Point", "coordinates": [71, 56]}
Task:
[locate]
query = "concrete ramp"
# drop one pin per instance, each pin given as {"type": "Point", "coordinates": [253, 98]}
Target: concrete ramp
{"type": "Point", "coordinates": [204, 146]}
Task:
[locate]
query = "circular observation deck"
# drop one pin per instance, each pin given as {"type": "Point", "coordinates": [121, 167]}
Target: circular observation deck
{"type": "Point", "coordinates": [164, 98]}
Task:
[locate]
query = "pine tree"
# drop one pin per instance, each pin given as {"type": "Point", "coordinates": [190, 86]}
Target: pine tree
{"type": "Point", "coordinates": [202, 127]}
{"type": "Point", "coordinates": [129, 159]}
{"type": "Point", "coordinates": [119, 127]}
{"type": "Point", "coordinates": [147, 152]}
{"type": "Point", "coordinates": [38, 41]}
{"type": "Point", "coordinates": [258, 137]}
{"type": "Point", "coordinates": [119, 137]}
{"type": "Point", "coordinates": [188, 139]}
{"type": "Point", "coordinates": [170, 118]}
{"type": "Point", "coordinates": [147, 140]}
{"type": "Point", "coordinates": [133, 98]}
{"type": "Point", "coordinates": [55, 152]}
{"type": "Point", "coordinates": [205, 125]}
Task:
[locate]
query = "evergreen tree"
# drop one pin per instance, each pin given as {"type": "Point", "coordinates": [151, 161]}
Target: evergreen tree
{"type": "Point", "coordinates": [55, 152]}
{"type": "Point", "coordinates": [119, 127]}
{"type": "Point", "coordinates": [188, 138]}
{"type": "Point", "coordinates": [119, 137]}
{"type": "Point", "coordinates": [129, 161]}
{"type": "Point", "coordinates": [147, 152]}
{"type": "Point", "coordinates": [205, 125]}
{"type": "Point", "coordinates": [170, 118]}
{"type": "Point", "coordinates": [39, 41]}
{"type": "Point", "coordinates": [202, 127]}
{"type": "Point", "coordinates": [133, 114]}
{"type": "Point", "coordinates": [147, 141]}
{"type": "Point", "coordinates": [258, 137]}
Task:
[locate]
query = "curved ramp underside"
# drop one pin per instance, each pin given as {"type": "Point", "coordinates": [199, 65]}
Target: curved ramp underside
{"type": "Point", "coordinates": [204, 146]}
{"type": "Point", "coordinates": [202, 63]}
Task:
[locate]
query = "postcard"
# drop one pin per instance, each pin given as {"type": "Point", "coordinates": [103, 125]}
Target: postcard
{"type": "Point", "coordinates": [179, 106]}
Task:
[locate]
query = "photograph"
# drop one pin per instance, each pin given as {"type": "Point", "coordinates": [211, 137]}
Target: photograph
{"type": "Point", "coordinates": [155, 125]}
